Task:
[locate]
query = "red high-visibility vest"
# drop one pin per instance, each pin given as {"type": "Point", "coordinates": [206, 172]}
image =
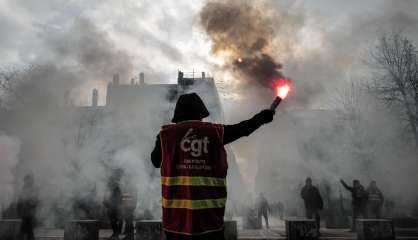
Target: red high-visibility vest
{"type": "Point", "coordinates": [193, 177]}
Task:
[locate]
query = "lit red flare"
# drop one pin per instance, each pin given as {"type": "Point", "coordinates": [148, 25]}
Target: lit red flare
{"type": "Point", "coordinates": [282, 91]}
{"type": "Point", "coordinates": [283, 87]}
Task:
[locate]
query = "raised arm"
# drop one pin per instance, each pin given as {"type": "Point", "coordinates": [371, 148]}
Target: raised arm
{"type": "Point", "coordinates": [245, 128]}
{"type": "Point", "coordinates": [382, 199]}
{"type": "Point", "coordinates": [320, 200]}
{"type": "Point", "coordinates": [231, 133]}
{"type": "Point", "coordinates": [302, 193]}
{"type": "Point", "coordinates": [346, 186]}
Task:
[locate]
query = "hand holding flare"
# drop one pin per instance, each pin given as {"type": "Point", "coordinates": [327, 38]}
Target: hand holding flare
{"type": "Point", "coordinates": [283, 88]}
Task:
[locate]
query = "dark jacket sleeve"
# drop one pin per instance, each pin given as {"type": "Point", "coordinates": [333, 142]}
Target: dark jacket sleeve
{"type": "Point", "coordinates": [156, 157]}
{"type": "Point", "coordinates": [242, 129]}
{"type": "Point", "coordinates": [320, 201]}
{"type": "Point", "coordinates": [302, 193]}
{"type": "Point", "coordinates": [382, 199]}
{"type": "Point", "coordinates": [347, 187]}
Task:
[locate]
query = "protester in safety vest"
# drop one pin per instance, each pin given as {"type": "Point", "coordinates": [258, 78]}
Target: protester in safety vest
{"type": "Point", "coordinates": [374, 201]}
{"type": "Point", "coordinates": [193, 164]}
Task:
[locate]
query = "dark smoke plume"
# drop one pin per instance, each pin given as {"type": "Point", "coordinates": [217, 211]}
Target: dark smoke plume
{"type": "Point", "coordinates": [243, 33]}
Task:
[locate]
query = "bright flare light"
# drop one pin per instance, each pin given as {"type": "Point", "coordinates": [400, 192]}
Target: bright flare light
{"type": "Point", "coordinates": [283, 87]}
{"type": "Point", "coordinates": [283, 91]}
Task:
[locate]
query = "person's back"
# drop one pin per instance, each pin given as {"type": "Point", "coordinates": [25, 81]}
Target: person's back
{"type": "Point", "coordinates": [263, 209]}
{"type": "Point", "coordinates": [375, 200]}
{"type": "Point", "coordinates": [359, 195]}
{"type": "Point", "coordinates": [359, 200]}
{"type": "Point", "coordinates": [27, 205]}
{"type": "Point", "coordinates": [313, 201]}
{"type": "Point", "coordinates": [28, 202]}
{"type": "Point", "coordinates": [263, 205]}
{"type": "Point", "coordinates": [311, 196]}
{"type": "Point", "coordinates": [357, 192]}
{"type": "Point", "coordinates": [113, 202]}
{"type": "Point", "coordinates": [193, 164]}
{"type": "Point", "coordinates": [374, 194]}
{"type": "Point", "coordinates": [193, 177]}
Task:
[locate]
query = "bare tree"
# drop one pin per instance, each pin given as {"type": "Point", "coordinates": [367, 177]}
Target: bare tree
{"type": "Point", "coordinates": [350, 99]}
{"type": "Point", "coordinates": [395, 61]}
{"type": "Point", "coordinates": [9, 76]}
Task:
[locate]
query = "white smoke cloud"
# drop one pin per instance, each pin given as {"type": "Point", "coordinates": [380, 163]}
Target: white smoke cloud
{"type": "Point", "coordinates": [308, 137]}
{"type": "Point", "coordinates": [78, 45]}
{"type": "Point", "coordinates": [9, 157]}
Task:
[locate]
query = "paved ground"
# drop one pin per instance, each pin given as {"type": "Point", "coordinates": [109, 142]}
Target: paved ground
{"type": "Point", "coordinates": [275, 233]}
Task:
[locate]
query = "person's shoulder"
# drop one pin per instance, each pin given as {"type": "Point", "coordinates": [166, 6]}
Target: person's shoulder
{"type": "Point", "coordinates": [217, 125]}
{"type": "Point", "coordinates": [167, 126]}
{"type": "Point", "coordinates": [202, 124]}
{"type": "Point", "coordinates": [211, 123]}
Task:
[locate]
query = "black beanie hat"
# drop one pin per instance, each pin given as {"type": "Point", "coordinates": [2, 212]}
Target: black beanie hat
{"type": "Point", "coordinates": [189, 107]}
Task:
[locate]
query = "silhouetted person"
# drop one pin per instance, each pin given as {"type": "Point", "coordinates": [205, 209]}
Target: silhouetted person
{"type": "Point", "coordinates": [193, 164]}
{"type": "Point", "coordinates": [85, 202]}
{"type": "Point", "coordinates": [280, 209]}
{"type": "Point", "coordinates": [128, 208]}
{"type": "Point", "coordinates": [113, 202]}
{"type": "Point", "coordinates": [374, 201]}
{"type": "Point", "coordinates": [263, 209]}
{"type": "Point", "coordinates": [252, 220]}
{"type": "Point", "coordinates": [313, 201]}
{"type": "Point", "coordinates": [26, 207]}
{"type": "Point", "coordinates": [359, 200]}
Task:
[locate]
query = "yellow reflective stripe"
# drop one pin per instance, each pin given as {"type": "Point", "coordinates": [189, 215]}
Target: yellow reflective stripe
{"type": "Point", "coordinates": [194, 204]}
{"type": "Point", "coordinates": [193, 181]}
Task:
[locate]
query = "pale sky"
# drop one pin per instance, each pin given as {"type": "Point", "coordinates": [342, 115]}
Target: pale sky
{"type": "Point", "coordinates": [160, 37]}
{"type": "Point", "coordinates": [160, 28]}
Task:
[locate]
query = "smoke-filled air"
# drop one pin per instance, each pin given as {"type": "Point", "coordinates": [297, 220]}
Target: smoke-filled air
{"type": "Point", "coordinates": [243, 33]}
{"type": "Point", "coordinates": [86, 86]}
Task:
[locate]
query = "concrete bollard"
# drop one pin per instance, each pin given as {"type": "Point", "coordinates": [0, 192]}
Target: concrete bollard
{"type": "Point", "coordinates": [252, 222]}
{"type": "Point", "coordinates": [231, 230]}
{"type": "Point", "coordinates": [81, 230]}
{"type": "Point", "coordinates": [149, 230]}
{"type": "Point", "coordinates": [152, 230]}
{"type": "Point", "coordinates": [10, 229]}
{"type": "Point", "coordinates": [375, 229]}
{"type": "Point", "coordinates": [337, 221]}
{"type": "Point", "coordinates": [405, 222]}
{"type": "Point", "coordinates": [301, 229]}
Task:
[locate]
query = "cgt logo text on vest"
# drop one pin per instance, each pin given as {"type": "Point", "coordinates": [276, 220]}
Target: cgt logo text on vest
{"type": "Point", "coordinates": [196, 147]}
